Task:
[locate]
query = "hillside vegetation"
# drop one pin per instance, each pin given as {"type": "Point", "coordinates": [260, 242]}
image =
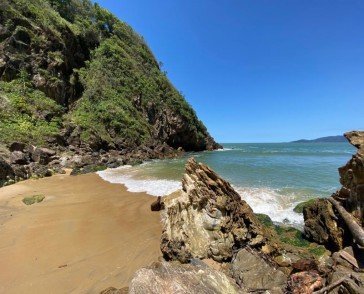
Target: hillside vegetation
{"type": "Point", "coordinates": [73, 74]}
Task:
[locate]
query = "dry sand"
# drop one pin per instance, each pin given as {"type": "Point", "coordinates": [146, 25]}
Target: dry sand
{"type": "Point", "coordinates": [85, 236]}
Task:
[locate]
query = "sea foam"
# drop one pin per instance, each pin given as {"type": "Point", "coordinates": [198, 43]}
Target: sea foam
{"type": "Point", "coordinates": [154, 187]}
{"type": "Point", "coordinates": [268, 201]}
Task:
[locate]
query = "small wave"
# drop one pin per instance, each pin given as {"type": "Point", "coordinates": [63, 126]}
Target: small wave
{"type": "Point", "coordinates": [268, 201]}
{"type": "Point", "coordinates": [224, 149]}
{"type": "Point", "coordinates": [154, 187]}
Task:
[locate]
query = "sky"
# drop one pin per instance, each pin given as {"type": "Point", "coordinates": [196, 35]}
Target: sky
{"type": "Point", "coordinates": [259, 70]}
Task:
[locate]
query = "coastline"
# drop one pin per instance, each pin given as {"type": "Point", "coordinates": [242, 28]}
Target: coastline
{"type": "Point", "coordinates": [86, 235]}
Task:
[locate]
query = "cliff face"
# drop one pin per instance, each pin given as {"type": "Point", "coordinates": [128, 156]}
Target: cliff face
{"type": "Point", "coordinates": [71, 73]}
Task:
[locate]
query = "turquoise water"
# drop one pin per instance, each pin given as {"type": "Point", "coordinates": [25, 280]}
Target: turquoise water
{"type": "Point", "coordinates": [272, 178]}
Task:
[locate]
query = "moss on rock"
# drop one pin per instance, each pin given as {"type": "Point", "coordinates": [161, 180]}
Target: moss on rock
{"type": "Point", "coordinates": [33, 199]}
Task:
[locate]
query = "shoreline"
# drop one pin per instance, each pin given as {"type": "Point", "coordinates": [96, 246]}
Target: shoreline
{"type": "Point", "coordinates": [86, 235]}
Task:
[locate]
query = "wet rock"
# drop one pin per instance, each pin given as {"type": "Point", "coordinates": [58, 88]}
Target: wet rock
{"type": "Point", "coordinates": [92, 168]}
{"type": "Point", "coordinates": [172, 277]}
{"type": "Point", "coordinates": [208, 219]}
{"type": "Point", "coordinates": [255, 273]}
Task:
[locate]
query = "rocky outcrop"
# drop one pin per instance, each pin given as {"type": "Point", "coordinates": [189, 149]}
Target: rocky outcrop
{"type": "Point", "coordinates": [324, 223]}
{"type": "Point", "coordinates": [44, 46]}
{"type": "Point", "coordinates": [323, 226]}
{"type": "Point", "coordinates": [169, 277]}
{"type": "Point", "coordinates": [352, 178]}
{"type": "Point", "coordinates": [252, 272]}
{"type": "Point", "coordinates": [208, 220]}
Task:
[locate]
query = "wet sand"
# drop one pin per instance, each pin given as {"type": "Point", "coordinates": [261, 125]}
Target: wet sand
{"type": "Point", "coordinates": [85, 236]}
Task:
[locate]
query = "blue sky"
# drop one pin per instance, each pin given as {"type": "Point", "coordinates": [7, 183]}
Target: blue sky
{"type": "Point", "coordinates": [260, 70]}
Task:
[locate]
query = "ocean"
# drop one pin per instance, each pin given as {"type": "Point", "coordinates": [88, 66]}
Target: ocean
{"type": "Point", "coordinates": [272, 178]}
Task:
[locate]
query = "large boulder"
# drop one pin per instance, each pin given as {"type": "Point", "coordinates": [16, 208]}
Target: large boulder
{"type": "Point", "coordinates": [251, 271]}
{"type": "Point", "coordinates": [42, 155]}
{"type": "Point", "coordinates": [208, 219]}
{"type": "Point", "coordinates": [172, 277]}
{"type": "Point", "coordinates": [323, 226]}
{"type": "Point", "coordinates": [6, 172]}
{"type": "Point", "coordinates": [18, 157]}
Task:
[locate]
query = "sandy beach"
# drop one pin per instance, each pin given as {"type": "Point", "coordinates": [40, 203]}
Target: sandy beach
{"type": "Point", "coordinates": [85, 236]}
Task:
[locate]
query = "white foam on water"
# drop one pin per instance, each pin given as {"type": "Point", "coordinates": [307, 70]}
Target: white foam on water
{"type": "Point", "coordinates": [224, 149]}
{"type": "Point", "coordinates": [126, 176]}
{"type": "Point", "coordinates": [268, 201]}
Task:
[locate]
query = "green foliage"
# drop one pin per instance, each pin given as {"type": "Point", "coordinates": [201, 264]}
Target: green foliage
{"type": "Point", "coordinates": [265, 220]}
{"type": "Point", "coordinates": [299, 207]}
{"type": "Point", "coordinates": [318, 250]}
{"type": "Point", "coordinates": [291, 236]}
{"type": "Point", "coordinates": [26, 114]}
{"type": "Point", "coordinates": [121, 80]}
{"type": "Point", "coordinates": [33, 199]}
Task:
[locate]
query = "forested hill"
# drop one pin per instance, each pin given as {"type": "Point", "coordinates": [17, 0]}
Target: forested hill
{"type": "Point", "coordinates": [329, 139]}
{"type": "Point", "coordinates": [71, 73]}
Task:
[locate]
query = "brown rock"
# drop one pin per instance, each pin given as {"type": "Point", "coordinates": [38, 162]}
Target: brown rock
{"type": "Point", "coordinates": [112, 290]}
{"type": "Point", "coordinates": [352, 176]}
{"type": "Point", "coordinates": [18, 157]}
{"type": "Point", "coordinates": [17, 146]}
{"type": "Point", "coordinates": [157, 205]}
{"type": "Point", "coordinates": [322, 225]}
{"type": "Point", "coordinates": [304, 282]}
{"type": "Point", "coordinates": [208, 219]}
{"type": "Point", "coordinates": [6, 172]}
{"type": "Point", "coordinates": [304, 265]}
{"type": "Point", "coordinates": [42, 155]}
{"type": "Point", "coordinates": [173, 277]}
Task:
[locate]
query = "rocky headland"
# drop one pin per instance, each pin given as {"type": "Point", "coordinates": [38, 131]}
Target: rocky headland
{"type": "Point", "coordinates": [81, 89]}
{"type": "Point", "coordinates": [212, 242]}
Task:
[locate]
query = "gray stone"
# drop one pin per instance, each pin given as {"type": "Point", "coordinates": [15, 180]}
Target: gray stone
{"type": "Point", "coordinates": [252, 272]}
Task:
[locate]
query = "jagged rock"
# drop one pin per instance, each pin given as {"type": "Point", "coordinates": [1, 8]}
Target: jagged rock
{"type": "Point", "coordinates": [304, 282]}
{"type": "Point", "coordinates": [208, 219]}
{"type": "Point", "coordinates": [112, 290]}
{"type": "Point", "coordinates": [354, 282]}
{"type": "Point", "coordinates": [254, 273]}
{"type": "Point", "coordinates": [157, 205]}
{"type": "Point", "coordinates": [323, 226]}
{"type": "Point", "coordinates": [18, 157]}
{"type": "Point", "coordinates": [42, 155]}
{"type": "Point", "coordinates": [352, 177]}
{"type": "Point", "coordinates": [6, 172]}
{"type": "Point", "coordinates": [170, 277]}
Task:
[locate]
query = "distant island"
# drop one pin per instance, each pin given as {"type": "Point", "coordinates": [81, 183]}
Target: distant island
{"type": "Point", "coordinates": [328, 139]}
